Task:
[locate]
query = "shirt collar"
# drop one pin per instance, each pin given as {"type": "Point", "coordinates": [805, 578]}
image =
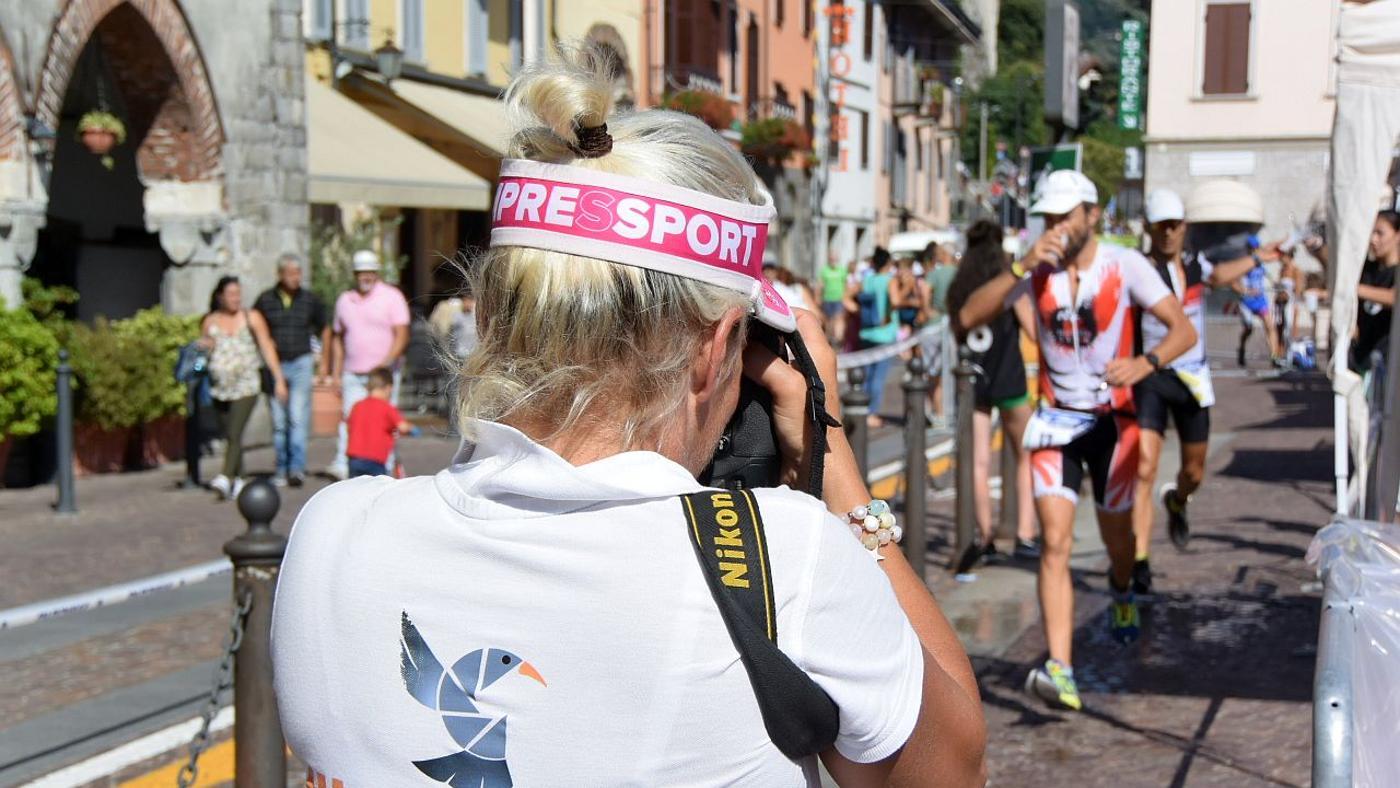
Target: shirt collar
{"type": "Point", "coordinates": [505, 474]}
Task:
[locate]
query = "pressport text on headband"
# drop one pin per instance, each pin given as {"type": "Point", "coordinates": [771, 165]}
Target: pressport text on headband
{"type": "Point", "coordinates": [636, 222]}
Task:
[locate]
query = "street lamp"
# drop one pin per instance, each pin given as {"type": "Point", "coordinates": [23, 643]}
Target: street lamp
{"type": "Point", "coordinates": [389, 59]}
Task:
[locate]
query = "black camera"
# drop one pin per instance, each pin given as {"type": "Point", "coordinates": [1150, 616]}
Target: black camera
{"type": "Point", "coordinates": [747, 454]}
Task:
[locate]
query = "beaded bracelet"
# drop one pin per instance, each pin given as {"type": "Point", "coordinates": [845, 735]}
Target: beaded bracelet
{"type": "Point", "coordinates": [874, 525]}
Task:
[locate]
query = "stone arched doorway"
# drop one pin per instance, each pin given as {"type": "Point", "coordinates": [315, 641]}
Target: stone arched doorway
{"type": "Point", "coordinates": [146, 225]}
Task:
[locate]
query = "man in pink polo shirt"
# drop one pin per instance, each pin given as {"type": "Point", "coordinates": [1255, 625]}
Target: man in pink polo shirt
{"type": "Point", "coordinates": [371, 330]}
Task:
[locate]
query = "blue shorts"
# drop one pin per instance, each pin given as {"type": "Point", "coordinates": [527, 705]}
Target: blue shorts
{"type": "Point", "coordinates": [832, 308]}
{"type": "Point", "coordinates": [359, 467]}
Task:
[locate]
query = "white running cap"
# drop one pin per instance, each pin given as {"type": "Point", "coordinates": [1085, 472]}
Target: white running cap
{"type": "Point", "coordinates": [365, 260]}
{"type": "Point", "coordinates": [1061, 190]}
{"type": "Point", "coordinates": [1164, 205]}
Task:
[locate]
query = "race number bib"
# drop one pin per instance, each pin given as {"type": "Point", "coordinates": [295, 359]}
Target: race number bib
{"type": "Point", "coordinates": [1052, 427]}
{"type": "Point", "coordinates": [1197, 380]}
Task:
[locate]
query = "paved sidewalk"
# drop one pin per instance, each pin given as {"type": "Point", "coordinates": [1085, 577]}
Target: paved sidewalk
{"type": "Point", "coordinates": [1218, 692]}
{"type": "Point", "coordinates": [133, 525]}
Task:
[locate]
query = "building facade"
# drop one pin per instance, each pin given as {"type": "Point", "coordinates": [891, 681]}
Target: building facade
{"type": "Point", "coordinates": [848, 74]}
{"type": "Point", "coordinates": [210, 179]}
{"type": "Point", "coordinates": [918, 109]}
{"type": "Point", "coordinates": [1243, 89]}
{"type": "Point", "coordinates": [427, 140]}
{"type": "Point", "coordinates": [746, 67]}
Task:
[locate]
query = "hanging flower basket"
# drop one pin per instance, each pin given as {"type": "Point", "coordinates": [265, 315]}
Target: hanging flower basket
{"type": "Point", "coordinates": [772, 140]}
{"type": "Point", "coordinates": [100, 132]}
{"type": "Point", "coordinates": [712, 108]}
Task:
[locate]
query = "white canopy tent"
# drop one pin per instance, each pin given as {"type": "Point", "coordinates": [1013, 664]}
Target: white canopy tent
{"type": "Point", "coordinates": [1364, 137]}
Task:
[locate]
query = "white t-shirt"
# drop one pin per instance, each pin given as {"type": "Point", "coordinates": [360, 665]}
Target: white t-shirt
{"type": "Point", "coordinates": [1079, 339]}
{"type": "Point", "coordinates": [587, 574]}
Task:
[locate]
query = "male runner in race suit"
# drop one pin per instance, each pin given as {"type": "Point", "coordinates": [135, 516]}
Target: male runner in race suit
{"type": "Point", "coordinates": [1084, 295]}
{"type": "Point", "coordinates": [1183, 389]}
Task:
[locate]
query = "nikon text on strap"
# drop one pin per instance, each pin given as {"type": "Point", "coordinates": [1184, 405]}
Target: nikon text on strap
{"type": "Point", "coordinates": [727, 531]}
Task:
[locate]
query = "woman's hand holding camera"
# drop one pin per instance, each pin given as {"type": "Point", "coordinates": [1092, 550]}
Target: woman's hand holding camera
{"type": "Point", "coordinates": [843, 488]}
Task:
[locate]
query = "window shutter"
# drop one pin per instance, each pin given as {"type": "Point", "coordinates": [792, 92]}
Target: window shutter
{"type": "Point", "coordinates": [318, 20]}
{"type": "Point", "coordinates": [356, 23]}
{"type": "Point", "coordinates": [1226, 63]}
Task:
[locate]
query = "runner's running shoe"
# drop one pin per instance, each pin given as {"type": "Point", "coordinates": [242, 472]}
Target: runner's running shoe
{"type": "Point", "coordinates": [1142, 577]}
{"type": "Point", "coordinates": [1178, 528]}
{"type": "Point", "coordinates": [1124, 623]}
{"type": "Point", "coordinates": [972, 554]}
{"type": "Point", "coordinates": [1026, 550]}
{"type": "Point", "coordinates": [1054, 684]}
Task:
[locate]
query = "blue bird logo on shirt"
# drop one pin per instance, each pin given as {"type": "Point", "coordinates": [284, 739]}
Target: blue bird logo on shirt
{"type": "Point", "coordinates": [453, 694]}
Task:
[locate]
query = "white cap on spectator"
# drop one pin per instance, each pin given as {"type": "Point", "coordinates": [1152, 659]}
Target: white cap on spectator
{"type": "Point", "coordinates": [1164, 205]}
{"type": "Point", "coordinates": [365, 260]}
{"type": "Point", "coordinates": [1061, 190]}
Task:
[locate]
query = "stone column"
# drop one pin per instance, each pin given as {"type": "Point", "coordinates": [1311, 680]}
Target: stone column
{"type": "Point", "coordinates": [193, 229]}
{"type": "Point", "coordinates": [23, 212]}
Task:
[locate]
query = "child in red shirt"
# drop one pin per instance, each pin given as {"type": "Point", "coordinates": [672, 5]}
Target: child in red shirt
{"type": "Point", "coordinates": [372, 425]}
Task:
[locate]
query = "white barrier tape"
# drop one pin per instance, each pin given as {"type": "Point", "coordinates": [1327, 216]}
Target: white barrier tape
{"type": "Point", "coordinates": [111, 595]}
{"type": "Point", "coordinates": [928, 338]}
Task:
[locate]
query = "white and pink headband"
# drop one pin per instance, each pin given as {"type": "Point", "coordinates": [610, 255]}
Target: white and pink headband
{"type": "Point", "coordinates": [641, 223]}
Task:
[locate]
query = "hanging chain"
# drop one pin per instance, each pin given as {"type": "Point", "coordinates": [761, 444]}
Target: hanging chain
{"type": "Point", "coordinates": [223, 680]}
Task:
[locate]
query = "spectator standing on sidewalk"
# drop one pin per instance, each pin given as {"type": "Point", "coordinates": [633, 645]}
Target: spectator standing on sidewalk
{"type": "Point", "coordinates": [294, 316]}
{"type": "Point", "coordinates": [833, 283]}
{"type": "Point", "coordinates": [370, 330]}
{"type": "Point", "coordinates": [463, 331]}
{"type": "Point", "coordinates": [941, 267]}
{"type": "Point", "coordinates": [240, 346]}
{"type": "Point", "coordinates": [1001, 384]}
{"type": "Point", "coordinates": [873, 301]}
{"type": "Point", "coordinates": [372, 426]}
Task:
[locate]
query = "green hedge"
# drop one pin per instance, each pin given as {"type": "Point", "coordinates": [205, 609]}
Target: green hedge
{"type": "Point", "coordinates": [123, 370]}
{"type": "Point", "coordinates": [28, 360]}
{"type": "Point", "coordinates": [126, 368]}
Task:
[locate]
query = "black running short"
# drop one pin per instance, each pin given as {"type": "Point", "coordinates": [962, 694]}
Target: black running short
{"type": "Point", "coordinates": [1108, 451]}
{"type": "Point", "coordinates": [1163, 394]}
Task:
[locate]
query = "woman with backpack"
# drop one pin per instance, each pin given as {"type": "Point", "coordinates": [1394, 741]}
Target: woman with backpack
{"type": "Point", "coordinates": [874, 300]}
{"type": "Point", "coordinates": [239, 347]}
{"type": "Point", "coordinates": [554, 576]}
{"type": "Point", "coordinates": [1000, 384]}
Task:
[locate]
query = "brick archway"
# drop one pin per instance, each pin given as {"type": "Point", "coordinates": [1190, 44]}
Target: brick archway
{"type": "Point", "coordinates": [11, 105]}
{"type": "Point", "coordinates": [193, 107]}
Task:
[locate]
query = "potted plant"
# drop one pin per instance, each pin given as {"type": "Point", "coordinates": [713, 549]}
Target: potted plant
{"type": "Point", "coordinates": [712, 108]}
{"type": "Point", "coordinates": [28, 358]}
{"type": "Point", "coordinates": [772, 140]}
{"type": "Point", "coordinates": [161, 422]}
{"type": "Point", "coordinates": [100, 131]}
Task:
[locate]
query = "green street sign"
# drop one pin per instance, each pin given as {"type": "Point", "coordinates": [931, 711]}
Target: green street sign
{"type": "Point", "coordinates": [1130, 57]}
{"type": "Point", "coordinates": [1055, 157]}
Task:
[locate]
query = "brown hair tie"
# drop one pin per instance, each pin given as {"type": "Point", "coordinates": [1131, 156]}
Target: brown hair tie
{"type": "Point", "coordinates": [593, 141]}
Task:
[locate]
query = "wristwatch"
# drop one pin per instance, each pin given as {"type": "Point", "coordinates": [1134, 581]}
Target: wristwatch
{"type": "Point", "coordinates": [1154, 361]}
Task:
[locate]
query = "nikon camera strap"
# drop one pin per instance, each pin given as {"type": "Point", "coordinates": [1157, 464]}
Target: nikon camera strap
{"type": "Point", "coordinates": [800, 717]}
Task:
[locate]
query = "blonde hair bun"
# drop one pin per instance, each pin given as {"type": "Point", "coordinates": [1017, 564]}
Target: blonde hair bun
{"type": "Point", "coordinates": [567, 341]}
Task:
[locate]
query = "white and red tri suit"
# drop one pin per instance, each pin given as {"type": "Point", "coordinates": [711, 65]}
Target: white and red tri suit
{"type": "Point", "coordinates": [1078, 338]}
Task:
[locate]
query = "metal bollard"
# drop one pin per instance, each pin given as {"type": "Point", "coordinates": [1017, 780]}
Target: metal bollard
{"type": "Point", "coordinates": [1010, 502]}
{"type": "Point", "coordinates": [965, 518]}
{"type": "Point", "coordinates": [257, 555]}
{"type": "Point", "coordinates": [915, 467]}
{"type": "Point", "coordinates": [64, 430]}
{"type": "Point", "coordinates": [855, 403]}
